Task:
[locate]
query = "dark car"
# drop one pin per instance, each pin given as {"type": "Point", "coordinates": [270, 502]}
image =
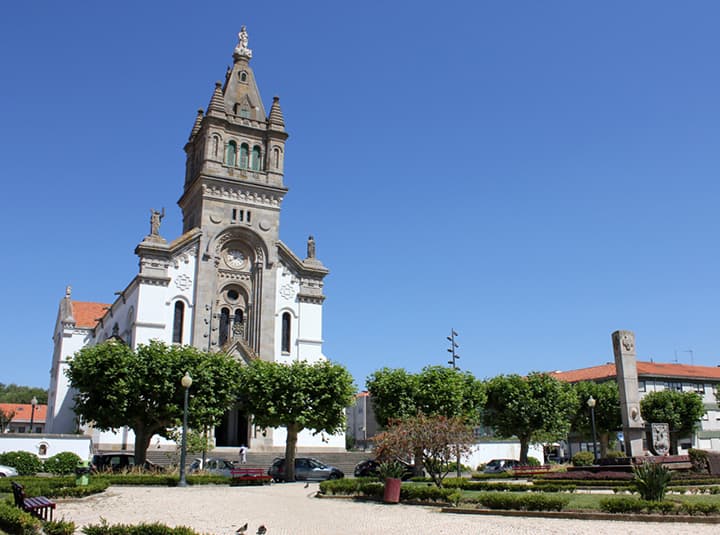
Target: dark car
{"type": "Point", "coordinates": [306, 469]}
{"type": "Point", "coordinates": [497, 466]}
{"type": "Point", "coordinates": [370, 468]}
{"type": "Point", "coordinates": [118, 462]}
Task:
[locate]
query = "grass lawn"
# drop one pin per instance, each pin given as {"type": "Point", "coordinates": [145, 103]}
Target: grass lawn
{"type": "Point", "coordinates": [581, 501]}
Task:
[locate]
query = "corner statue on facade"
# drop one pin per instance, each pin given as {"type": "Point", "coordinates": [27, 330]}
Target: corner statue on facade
{"type": "Point", "coordinates": [155, 218]}
{"type": "Point", "coordinates": [311, 247]}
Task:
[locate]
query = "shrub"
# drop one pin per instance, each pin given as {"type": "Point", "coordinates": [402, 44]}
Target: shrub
{"type": "Point", "coordinates": [532, 461]}
{"type": "Point", "coordinates": [651, 480]}
{"type": "Point", "coordinates": [59, 527]}
{"type": "Point", "coordinates": [583, 458]}
{"type": "Point", "coordinates": [62, 463]}
{"type": "Point", "coordinates": [699, 460]}
{"type": "Point", "coordinates": [697, 508]}
{"type": "Point", "coordinates": [15, 521]}
{"type": "Point", "coordinates": [139, 529]}
{"type": "Point", "coordinates": [615, 454]}
{"type": "Point", "coordinates": [623, 504]}
{"type": "Point", "coordinates": [425, 493]}
{"type": "Point", "coordinates": [26, 463]}
{"type": "Point", "coordinates": [525, 502]}
{"type": "Point", "coordinates": [342, 486]}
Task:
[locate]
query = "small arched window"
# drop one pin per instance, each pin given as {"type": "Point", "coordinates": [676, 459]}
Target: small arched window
{"type": "Point", "coordinates": [244, 149]}
{"type": "Point", "coordinates": [256, 158]}
{"type": "Point", "coordinates": [178, 322]}
{"type": "Point", "coordinates": [216, 144]}
{"type": "Point", "coordinates": [224, 325]}
{"type": "Point", "coordinates": [285, 342]}
{"type": "Point", "coordinates": [276, 157]}
{"type": "Point", "coordinates": [230, 157]}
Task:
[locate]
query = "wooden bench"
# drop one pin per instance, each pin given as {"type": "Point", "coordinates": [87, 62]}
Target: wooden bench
{"type": "Point", "coordinates": [39, 506]}
{"type": "Point", "coordinates": [248, 474]}
{"type": "Point", "coordinates": [531, 470]}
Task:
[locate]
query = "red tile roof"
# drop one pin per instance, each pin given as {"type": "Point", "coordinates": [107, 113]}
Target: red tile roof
{"type": "Point", "coordinates": [23, 412]}
{"type": "Point", "coordinates": [87, 314]}
{"type": "Point", "coordinates": [644, 369]}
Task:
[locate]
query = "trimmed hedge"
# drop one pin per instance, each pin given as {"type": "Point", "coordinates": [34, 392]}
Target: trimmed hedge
{"type": "Point", "coordinates": [583, 458]}
{"type": "Point", "coordinates": [62, 463]}
{"type": "Point", "coordinates": [373, 489]}
{"type": "Point", "coordinates": [139, 529]}
{"type": "Point", "coordinates": [15, 521]}
{"type": "Point", "coordinates": [54, 487]}
{"type": "Point", "coordinates": [59, 527]}
{"type": "Point", "coordinates": [26, 463]}
{"type": "Point", "coordinates": [521, 502]}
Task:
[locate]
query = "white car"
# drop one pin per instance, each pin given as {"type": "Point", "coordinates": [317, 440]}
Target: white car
{"type": "Point", "coordinates": [7, 471]}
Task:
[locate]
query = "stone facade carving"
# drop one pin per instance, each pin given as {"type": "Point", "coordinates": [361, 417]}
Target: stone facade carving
{"type": "Point", "coordinates": [242, 50]}
{"type": "Point", "coordinates": [183, 282]}
{"type": "Point", "coordinates": [660, 435]}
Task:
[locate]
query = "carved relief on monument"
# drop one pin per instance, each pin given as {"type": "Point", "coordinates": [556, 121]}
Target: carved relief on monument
{"type": "Point", "coordinates": [627, 342]}
{"type": "Point", "coordinates": [660, 434]}
{"type": "Point", "coordinates": [287, 291]}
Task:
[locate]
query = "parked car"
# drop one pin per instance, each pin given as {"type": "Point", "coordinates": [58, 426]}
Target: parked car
{"type": "Point", "coordinates": [306, 468]}
{"type": "Point", "coordinates": [118, 462]}
{"type": "Point", "coordinates": [7, 471]}
{"type": "Point", "coordinates": [497, 466]}
{"type": "Point", "coordinates": [370, 468]}
{"type": "Point", "coordinates": [212, 465]}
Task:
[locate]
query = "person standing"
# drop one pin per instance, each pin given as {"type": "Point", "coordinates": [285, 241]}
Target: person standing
{"type": "Point", "coordinates": [243, 454]}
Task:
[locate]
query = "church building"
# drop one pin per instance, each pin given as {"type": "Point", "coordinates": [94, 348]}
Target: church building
{"type": "Point", "coordinates": [227, 283]}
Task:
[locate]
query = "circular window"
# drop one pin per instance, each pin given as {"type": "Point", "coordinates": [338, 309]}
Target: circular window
{"type": "Point", "coordinates": [233, 295]}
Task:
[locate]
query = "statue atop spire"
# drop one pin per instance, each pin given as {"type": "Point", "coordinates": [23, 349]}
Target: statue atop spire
{"type": "Point", "coordinates": [242, 50]}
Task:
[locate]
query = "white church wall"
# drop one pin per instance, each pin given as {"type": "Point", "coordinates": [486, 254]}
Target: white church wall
{"type": "Point", "coordinates": [151, 322]}
{"type": "Point", "coordinates": [309, 339]}
{"type": "Point", "coordinates": [61, 416]}
{"type": "Point", "coordinates": [308, 441]}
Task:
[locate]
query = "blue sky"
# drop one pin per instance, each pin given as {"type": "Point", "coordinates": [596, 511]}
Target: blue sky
{"type": "Point", "coordinates": [534, 175]}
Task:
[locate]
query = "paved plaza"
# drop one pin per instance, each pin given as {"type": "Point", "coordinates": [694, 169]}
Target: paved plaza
{"type": "Point", "coordinates": [292, 509]}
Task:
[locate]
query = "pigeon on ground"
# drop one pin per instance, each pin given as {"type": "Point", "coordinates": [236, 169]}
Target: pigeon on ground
{"type": "Point", "coordinates": [242, 529]}
{"type": "Point", "coordinates": [262, 530]}
{"type": "Point", "coordinates": [307, 484]}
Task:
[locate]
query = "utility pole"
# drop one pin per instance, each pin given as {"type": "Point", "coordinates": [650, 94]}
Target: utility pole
{"type": "Point", "coordinates": [453, 358]}
{"type": "Point", "coordinates": [453, 346]}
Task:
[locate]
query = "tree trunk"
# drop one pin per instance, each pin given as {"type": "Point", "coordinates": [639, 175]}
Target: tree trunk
{"type": "Point", "coordinates": [604, 443]}
{"type": "Point", "coordinates": [290, 446]}
{"type": "Point", "coordinates": [418, 460]}
{"type": "Point", "coordinates": [142, 442]}
{"type": "Point", "coordinates": [524, 447]}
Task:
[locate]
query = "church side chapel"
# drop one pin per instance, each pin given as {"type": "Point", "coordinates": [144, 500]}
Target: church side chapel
{"type": "Point", "coordinates": [227, 283]}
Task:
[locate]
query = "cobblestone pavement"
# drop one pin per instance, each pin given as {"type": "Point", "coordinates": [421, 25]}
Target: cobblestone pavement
{"type": "Point", "coordinates": [291, 509]}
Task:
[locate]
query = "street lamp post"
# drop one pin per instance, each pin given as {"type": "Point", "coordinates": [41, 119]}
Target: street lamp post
{"type": "Point", "coordinates": [186, 381]}
{"type": "Point", "coordinates": [591, 403]}
{"type": "Point", "coordinates": [33, 403]}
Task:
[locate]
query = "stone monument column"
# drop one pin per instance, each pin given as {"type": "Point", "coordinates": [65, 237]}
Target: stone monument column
{"type": "Point", "coordinates": [626, 370]}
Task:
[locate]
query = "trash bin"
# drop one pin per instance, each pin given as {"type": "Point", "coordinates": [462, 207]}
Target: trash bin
{"type": "Point", "coordinates": [82, 473]}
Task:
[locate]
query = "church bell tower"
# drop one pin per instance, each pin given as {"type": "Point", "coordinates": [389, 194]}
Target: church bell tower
{"type": "Point", "coordinates": [233, 193]}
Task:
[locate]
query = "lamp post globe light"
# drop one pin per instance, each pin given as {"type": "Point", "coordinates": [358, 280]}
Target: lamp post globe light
{"type": "Point", "coordinates": [591, 403]}
{"type": "Point", "coordinates": [186, 381]}
{"type": "Point", "coordinates": [33, 403]}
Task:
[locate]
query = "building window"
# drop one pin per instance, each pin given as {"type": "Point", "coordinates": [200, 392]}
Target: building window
{"type": "Point", "coordinates": [216, 144]}
{"type": "Point", "coordinates": [642, 386]}
{"type": "Point", "coordinates": [224, 326]}
{"type": "Point", "coordinates": [230, 157]}
{"type": "Point", "coordinates": [674, 385]}
{"type": "Point", "coordinates": [244, 155]}
{"type": "Point", "coordinates": [178, 322]}
{"type": "Point", "coordinates": [285, 343]}
{"type": "Point", "coordinates": [699, 388]}
{"type": "Point", "coordinates": [276, 157]}
{"type": "Point", "coordinates": [243, 76]}
{"type": "Point", "coordinates": [256, 158]}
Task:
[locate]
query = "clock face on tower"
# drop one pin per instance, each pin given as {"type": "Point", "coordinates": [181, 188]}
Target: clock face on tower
{"type": "Point", "coordinates": [235, 258]}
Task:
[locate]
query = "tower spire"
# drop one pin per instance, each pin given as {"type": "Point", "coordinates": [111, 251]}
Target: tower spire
{"type": "Point", "coordinates": [276, 119]}
{"type": "Point", "coordinates": [217, 102]}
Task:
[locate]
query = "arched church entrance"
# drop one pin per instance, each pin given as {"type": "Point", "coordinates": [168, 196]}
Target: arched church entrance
{"type": "Point", "coordinates": [233, 429]}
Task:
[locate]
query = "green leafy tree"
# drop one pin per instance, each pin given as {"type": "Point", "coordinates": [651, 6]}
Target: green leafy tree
{"type": "Point", "coordinates": [438, 438]}
{"type": "Point", "coordinates": [13, 393]}
{"type": "Point", "coordinates": [141, 389]}
{"type": "Point", "coordinates": [436, 391]}
{"type": "Point", "coordinates": [680, 410]}
{"type": "Point", "coordinates": [296, 396]}
{"type": "Point", "coordinates": [607, 411]}
{"type": "Point", "coordinates": [529, 407]}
